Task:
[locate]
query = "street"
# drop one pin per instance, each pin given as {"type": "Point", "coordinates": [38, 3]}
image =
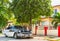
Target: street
{"type": "Point", "coordinates": [3, 38]}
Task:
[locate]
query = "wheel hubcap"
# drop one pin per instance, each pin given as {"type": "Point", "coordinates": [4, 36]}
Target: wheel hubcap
{"type": "Point", "coordinates": [15, 36]}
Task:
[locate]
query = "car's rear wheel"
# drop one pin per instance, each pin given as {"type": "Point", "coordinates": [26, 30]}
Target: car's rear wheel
{"type": "Point", "coordinates": [15, 36]}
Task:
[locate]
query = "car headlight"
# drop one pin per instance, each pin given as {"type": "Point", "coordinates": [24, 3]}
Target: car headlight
{"type": "Point", "coordinates": [19, 31]}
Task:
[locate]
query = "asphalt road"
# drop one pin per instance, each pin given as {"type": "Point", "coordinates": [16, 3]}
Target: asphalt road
{"type": "Point", "coordinates": [3, 38]}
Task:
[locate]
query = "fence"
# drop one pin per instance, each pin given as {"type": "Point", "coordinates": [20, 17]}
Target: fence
{"type": "Point", "coordinates": [47, 32]}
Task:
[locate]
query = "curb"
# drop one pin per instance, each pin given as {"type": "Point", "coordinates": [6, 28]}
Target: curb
{"type": "Point", "coordinates": [52, 39]}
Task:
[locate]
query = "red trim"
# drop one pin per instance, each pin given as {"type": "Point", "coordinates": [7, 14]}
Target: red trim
{"type": "Point", "coordinates": [58, 31]}
{"type": "Point", "coordinates": [36, 28]}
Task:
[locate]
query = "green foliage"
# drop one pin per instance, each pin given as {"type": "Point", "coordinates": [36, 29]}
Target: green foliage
{"type": "Point", "coordinates": [3, 20]}
{"type": "Point", "coordinates": [23, 9]}
{"type": "Point", "coordinates": [56, 20]}
{"type": "Point", "coordinates": [5, 13]}
{"type": "Point", "coordinates": [26, 10]}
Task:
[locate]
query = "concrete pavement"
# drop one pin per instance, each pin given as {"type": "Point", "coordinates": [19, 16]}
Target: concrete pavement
{"type": "Point", "coordinates": [35, 38]}
{"type": "Point", "coordinates": [3, 38]}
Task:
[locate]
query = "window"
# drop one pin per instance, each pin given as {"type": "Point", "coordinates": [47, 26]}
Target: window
{"type": "Point", "coordinates": [55, 11]}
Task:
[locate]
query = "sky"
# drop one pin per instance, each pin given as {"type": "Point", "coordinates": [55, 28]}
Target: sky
{"type": "Point", "coordinates": [55, 2]}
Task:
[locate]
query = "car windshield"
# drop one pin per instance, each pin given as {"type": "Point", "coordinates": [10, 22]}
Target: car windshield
{"type": "Point", "coordinates": [21, 28]}
{"type": "Point", "coordinates": [18, 27]}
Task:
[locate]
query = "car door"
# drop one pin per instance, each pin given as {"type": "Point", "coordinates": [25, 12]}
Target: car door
{"type": "Point", "coordinates": [9, 31]}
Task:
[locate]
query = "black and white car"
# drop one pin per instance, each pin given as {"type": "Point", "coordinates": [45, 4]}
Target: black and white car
{"type": "Point", "coordinates": [17, 31]}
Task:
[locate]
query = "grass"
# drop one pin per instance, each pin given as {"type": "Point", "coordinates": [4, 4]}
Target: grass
{"type": "Point", "coordinates": [0, 33]}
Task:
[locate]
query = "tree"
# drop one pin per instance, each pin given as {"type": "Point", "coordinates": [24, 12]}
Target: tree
{"type": "Point", "coordinates": [26, 10]}
{"type": "Point", "coordinates": [56, 20]}
{"type": "Point", "coordinates": [3, 20]}
{"type": "Point", "coordinates": [5, 13]}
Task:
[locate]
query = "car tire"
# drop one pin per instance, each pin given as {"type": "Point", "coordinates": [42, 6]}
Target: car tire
{"type": "Point", "coordinates": [15, 35]}
{"type": "Point", "coordinates": [6, 35]}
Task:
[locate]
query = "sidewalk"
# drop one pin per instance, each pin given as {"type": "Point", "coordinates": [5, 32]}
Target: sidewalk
{"type": "Point", "coordinates": [1, 34]}
{"type": "Point", "coordinates": [48, 38]}
{"type": "Point", "coordinates": [53, 39]}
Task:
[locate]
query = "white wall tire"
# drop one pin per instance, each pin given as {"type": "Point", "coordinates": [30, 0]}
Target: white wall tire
{"type": "Point", "coordinates": [15, 36]}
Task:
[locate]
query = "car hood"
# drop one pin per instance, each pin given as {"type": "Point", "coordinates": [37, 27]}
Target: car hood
{"type": "Point", "coordinates": [26, 32]}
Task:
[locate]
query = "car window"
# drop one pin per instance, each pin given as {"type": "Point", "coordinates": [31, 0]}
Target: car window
{"type": "Point", "coordinates": [9, 28]}
{"type": "Point", "coordinates": [18, 27]}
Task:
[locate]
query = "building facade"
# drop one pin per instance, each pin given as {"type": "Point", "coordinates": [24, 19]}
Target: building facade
{"type": "Point", "coordinates": [48, 21]}
{"type": "Point", "coordinates": [56, 9]}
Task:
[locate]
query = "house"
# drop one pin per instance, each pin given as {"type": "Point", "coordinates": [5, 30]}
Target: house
{"type": "Point", "coordinates": [56, 9]}
{"type": "Point", "coordinates": [48, 21]}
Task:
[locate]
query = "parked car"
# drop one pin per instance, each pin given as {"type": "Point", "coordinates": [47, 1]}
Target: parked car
{"type": "Point", "coordinates": [17, 31]}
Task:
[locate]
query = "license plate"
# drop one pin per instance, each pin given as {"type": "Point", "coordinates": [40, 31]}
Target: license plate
{"type": "Point", "coordinates": [26, 35]}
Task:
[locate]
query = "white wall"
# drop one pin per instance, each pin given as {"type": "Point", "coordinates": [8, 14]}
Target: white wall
{"type": "Point", "coordinates": [49, 32]}
{"type": "Point", "coordinates": [40, 32]}
{"type": "Point", "coordinates": [52, 32]}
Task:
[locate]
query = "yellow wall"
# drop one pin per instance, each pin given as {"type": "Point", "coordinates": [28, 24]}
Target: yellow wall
{"type": "Point", "coordinates": [46, 19]}
{"type": "Point", "coordinates": [57, 7]}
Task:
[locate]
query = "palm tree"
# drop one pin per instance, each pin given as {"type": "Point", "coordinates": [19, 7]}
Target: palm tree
{"type": "Point", "coordinates": [56, 20]}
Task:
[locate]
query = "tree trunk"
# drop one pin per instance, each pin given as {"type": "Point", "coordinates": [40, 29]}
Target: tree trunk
{"type": "Point", "coordinates": [30, 22]}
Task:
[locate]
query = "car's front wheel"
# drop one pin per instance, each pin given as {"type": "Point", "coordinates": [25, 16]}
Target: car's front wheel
{"type": "Point", "coordinates": [6, 35]}
{"type": "Point", "coordinates": [15, 36]}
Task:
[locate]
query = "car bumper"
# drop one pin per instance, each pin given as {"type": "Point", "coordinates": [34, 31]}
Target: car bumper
{"type": "Point", "coordinates": [24, 35]}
